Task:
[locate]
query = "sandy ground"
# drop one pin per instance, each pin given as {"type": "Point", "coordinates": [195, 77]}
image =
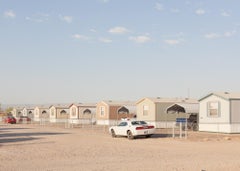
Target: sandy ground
{"type": "Point", "coordinates": [49, 148]}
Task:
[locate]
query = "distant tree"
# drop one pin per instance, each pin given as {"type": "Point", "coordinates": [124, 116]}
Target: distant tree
{"type": "Point", "coordinates": [9, 109]}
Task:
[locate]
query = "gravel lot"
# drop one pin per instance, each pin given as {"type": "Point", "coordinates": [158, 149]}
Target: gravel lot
{"type": "Point", "coordinates": [49, 148]}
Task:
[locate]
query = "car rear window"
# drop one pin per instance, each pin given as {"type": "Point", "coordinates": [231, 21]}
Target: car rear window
{"type": "Point", "coordinates": [138, 123]}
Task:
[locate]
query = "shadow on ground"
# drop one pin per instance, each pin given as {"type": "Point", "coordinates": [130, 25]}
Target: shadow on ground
{"type": "Point", "coordinates": [11, 128]}
{"type": "Point", "coordinates": [19, 137]}
{"type": "Point", "coordinates": [167, 135]}
{"type": "Point", "coordinates": [158, 135]}
{"type": "Point", "coordinates": [162, 136]}
{"type": "Point", "coordinates": [3, 130]}
{"type": "Point", "coordinates": [13, 140]}
{"type": "Point", "coordinates": [29, 134]}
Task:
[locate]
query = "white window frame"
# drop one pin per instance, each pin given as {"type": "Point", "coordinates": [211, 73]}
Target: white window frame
{"type": "Point", "coordinates": [74, 111]}
{"type": "Point", "coordinates": [102, 111]}
{"type": "Point", "coordinates": [52, 111]}
{"type": "Point", "coordinates": [37, 111]}
{"type": "Point", "coordinates": [213, 105]}
{"type": "Point", "coordinates": [145, 110]}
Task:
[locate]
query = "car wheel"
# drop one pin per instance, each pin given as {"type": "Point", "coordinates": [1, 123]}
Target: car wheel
{"type": "Point", "coordinates": [113, 133]}
{"type": "Point", "coordinates": [195, 127]}
{"type": "Point", "coordinates": [130, 135]}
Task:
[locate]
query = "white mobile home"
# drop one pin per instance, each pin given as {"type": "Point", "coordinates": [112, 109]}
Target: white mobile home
{"type": "Point", "coordinates": [220, 112]}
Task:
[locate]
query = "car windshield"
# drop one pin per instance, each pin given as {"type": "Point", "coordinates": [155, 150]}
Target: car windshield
{"type": "Point", "coordinates": [139, 123]}
{"type": "Point", "coordinates": [122, 124]}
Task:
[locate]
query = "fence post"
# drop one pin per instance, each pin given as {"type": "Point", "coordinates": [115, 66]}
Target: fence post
{"type": "Point", "coordinates": [180, 130]}
{"type": "Point", "coordinates": [173, 131]}
{"type": "Point", "coordinates": [66, 123]}
{"type": "Point", "coordinates": [186, 129]}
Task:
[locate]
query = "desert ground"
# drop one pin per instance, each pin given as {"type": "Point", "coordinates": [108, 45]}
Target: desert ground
{"type": "Point", "coordinates": [55, 148]}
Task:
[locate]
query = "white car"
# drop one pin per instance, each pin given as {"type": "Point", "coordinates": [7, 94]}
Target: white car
{"type": "Point", "coordinates": [132, 129]}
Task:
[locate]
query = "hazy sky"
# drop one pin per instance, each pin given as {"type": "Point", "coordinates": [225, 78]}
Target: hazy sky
{"type": "Point", "coordinates": [55, 51]}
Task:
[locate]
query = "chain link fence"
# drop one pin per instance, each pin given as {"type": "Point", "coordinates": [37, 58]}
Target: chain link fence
{"type": "Point", "coordinates": [163, 129]}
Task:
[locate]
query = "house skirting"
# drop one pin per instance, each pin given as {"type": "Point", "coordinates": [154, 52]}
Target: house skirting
{"type": "Point", "coordinates": [81, 121]}
{"type": "Point", "coordinates": [54, 120]}
{"type": "Point", "coordinates": [108, 122]}
{"type": "Point", "coordinates": [220, 127]}
{"type": "Point", "coordinates": [36, 119]}
{"type": "Point", "coordinates": [161, 124]}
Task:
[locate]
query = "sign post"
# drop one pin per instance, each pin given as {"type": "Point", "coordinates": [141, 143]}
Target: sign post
{"type": "Point", "coordinates": [181, 121]}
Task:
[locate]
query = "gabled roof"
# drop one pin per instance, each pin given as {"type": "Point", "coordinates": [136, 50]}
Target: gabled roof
{"type": "Point", "coordinates": [169, 100]}
{"type": "Point", "coordinates": [29, 108]}
{"type": "Point", "coordinates": [188, 107]}
{"type": "Point", "coordinates": [60, 106]}
{"type": "Point", "coordinates": [131, 108]}
{"type": "Point", "coordinates": [223, 95]}
{"type": "Point", "coordinates": [75, 104]}
{"type": "Point", "coordinates": [83, 104]}
{"type": "Point", "coordinates": [18, 108]}
{"type": "Point", "coordinates": [43, 106]}
{"type": "Point", "coordinates": [118, 103]}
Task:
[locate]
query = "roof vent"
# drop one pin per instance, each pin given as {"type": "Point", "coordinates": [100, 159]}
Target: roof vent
{"type": "Point", "coordinates": [158, 97]}
{"type": "Point", "coordinates": [226, 92]}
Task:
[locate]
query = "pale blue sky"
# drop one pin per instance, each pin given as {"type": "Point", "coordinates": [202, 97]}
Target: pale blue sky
{"type": "Point", "coordinates": [55, 51]}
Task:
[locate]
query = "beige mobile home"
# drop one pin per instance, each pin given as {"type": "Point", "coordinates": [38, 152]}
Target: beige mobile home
{"type": "Point", "coordinates": [154, 110]}
{"type": "Point", "coordinates": [82, 113]}
{"type": "Point", "coordinates": [59, 113]}
{"type": "Point", "coordinates": [220, 112]}
{"type": "Point", "coordinates": [41, 113]}
{"type": "Point", "coordinates": [187, 111]}
{"type": "Point", "coordinates": [17, 112]}
{"type": "Point", "coordinates": [110, 112]}
{"type": "Point", "coordinates": [28, 111]}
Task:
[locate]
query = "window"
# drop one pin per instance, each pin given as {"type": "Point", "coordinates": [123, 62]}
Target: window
{"type": "Point", "coordinates": [52, 112]}
{"type": "Point", "coordinates": [145, 110]}
{"type": "Point", "coordinates": [102, 110]}
{"type": "Point", "coordinates": [37, 112]}
{"type": "Point", "coordinates": [74, 111]}
{"type": "Point", "coordinates": [213, 109]}
{"type": "Point", "coordinates": [139, 123]}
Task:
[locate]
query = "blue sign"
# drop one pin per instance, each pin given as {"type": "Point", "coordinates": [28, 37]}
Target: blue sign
{"type": "Point", "coordinates": [182, 120]}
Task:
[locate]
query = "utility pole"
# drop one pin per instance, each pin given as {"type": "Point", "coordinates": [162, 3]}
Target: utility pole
{"type": "Point", "coordinates": [188, 93]}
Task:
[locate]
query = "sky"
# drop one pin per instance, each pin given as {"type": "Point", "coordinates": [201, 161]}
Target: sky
{"type": "Point", "coordinates": [64, 51]}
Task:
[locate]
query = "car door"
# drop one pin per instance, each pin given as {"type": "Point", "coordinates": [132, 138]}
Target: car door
{"type": "Point", "coordinates": [121, 128]}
